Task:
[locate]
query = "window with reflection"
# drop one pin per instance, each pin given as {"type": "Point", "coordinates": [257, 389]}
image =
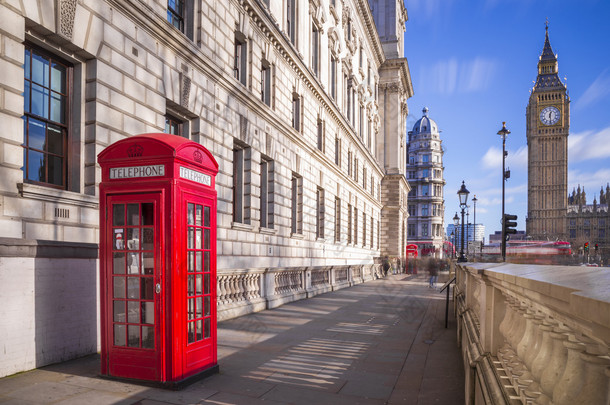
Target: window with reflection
{"type": "Point", "coordinates": [47, 83]}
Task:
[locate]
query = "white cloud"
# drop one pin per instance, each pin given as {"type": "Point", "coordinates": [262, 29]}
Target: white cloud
{"type": "Point", "coordinates": [591, 181]}
{"type": "Point", "coordinates": [452, 76]}
{"type": "Point", "coordinates": [589, 145]}
{"type": "Point", "coordinates": [598, 90]}
{"type": "Point", "coordinates": [492, 159]}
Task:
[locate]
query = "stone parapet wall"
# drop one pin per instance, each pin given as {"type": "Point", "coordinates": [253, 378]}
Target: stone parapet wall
{"type": "Point", "coordinates": [534, 334]}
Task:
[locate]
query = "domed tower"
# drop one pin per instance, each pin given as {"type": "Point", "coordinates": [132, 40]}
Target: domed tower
{"type": "Point", "coordinates": [425, 226]}
{"type": "Point", "coordinates": [548, 127]}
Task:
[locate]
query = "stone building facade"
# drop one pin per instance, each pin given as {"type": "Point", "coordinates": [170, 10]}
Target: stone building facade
{"type": "Point", "coordinates": [425, 174]}
{"type": "Point", "coordinates": [589, 223]}
{"type": "Point", "coordinates": [303, 103]}
{"type": "Point", "coordinates": [548, 127]}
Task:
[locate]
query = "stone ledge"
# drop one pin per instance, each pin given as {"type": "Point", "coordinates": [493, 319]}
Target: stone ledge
{"type": "Point", "coordinates": [10, 247]}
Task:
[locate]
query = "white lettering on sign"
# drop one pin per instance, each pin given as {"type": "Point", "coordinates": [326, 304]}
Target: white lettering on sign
{"type": "Point", "coordinates": [195, 176]}
{"type": "Point", "coordinates": [137, 171]}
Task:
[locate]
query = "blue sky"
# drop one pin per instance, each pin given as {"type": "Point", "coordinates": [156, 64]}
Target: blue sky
{"type": "Point", "coordinates": [473, 63]}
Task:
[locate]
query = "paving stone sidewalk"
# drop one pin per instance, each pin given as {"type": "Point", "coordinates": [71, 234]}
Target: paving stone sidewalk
{"type": "Point", "coordinates": [382, 342]}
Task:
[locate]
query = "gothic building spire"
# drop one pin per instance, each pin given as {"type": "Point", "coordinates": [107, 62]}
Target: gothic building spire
{"type": "Point", "coordinates": [548, 70]}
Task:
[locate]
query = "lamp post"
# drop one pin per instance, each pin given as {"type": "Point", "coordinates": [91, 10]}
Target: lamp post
{"type": "Point", "coordinates": [467, 230]}
{"type": "Point", "coordinates": [456, 223]}
{"type": "Point", "coordinates": [474, 201]}
{"type": "Point", "coordinates": [504, 134]}
{"type": "Point", "coordinates": [463, 196]}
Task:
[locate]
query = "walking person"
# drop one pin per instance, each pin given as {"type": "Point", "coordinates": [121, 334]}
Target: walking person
{"type": "Point", "coordinates": [433, 270]}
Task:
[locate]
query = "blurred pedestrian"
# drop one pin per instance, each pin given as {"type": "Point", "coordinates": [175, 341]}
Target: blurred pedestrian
{"type": "Point", "coordinates": [433, 270]}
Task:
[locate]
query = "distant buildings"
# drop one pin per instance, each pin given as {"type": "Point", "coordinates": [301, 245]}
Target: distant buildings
{"type": "Point", "coordinates": [425, 176]}
{"type": "Point", "coordinates": [472, 233]}
{"type": "Point", "coordinates": [496, 237]}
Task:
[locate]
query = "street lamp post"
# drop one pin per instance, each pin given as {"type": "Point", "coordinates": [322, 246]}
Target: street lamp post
{"type": "Point", "coordinates": [467, 230]}
{"type": "Point", "coordinates": [463, 196]}
{"type": "Point", "coordinates": [456, 223]}
{"type": "Point", "coordinates": [474, 201]}
{"type": "Point", "coordinates": [504, 134]}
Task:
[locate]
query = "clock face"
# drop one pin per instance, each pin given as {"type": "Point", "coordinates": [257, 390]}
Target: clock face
{"type": "Point", "coordinates": [549, 115]}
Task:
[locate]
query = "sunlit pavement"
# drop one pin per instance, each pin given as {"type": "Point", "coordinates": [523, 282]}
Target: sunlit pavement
{"type": "Point", "coordinates": [383, 342]}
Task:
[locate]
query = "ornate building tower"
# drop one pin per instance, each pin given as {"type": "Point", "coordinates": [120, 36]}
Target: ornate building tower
{"type": "Point", "coordinates": [548, 126]}
{"type": "Point", "coordinates": [425, 177]}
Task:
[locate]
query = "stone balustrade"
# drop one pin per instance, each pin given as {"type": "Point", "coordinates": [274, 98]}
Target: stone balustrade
{"type": "Point", "coordinates": [534, 334]}
{"type": "Point", "coordinates": [241, 292]}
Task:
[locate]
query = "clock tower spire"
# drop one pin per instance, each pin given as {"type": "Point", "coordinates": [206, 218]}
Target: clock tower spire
{"type": "Point", "coordinates": [548, 125]}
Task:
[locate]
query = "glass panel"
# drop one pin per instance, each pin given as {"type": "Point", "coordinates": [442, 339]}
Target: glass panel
{"type": "Point", "coordinates": [133, 238]}
{"type": "Point", "coordinates": [191, 332]}
{"type": "Point", "coordinates": [206, 243]}
{"type": "Point", "coordinates": [206, 261]}
{"type": "Point", "coordinates": [55, 170]}
{"type": "Point", "coordinates": [199, 280]}
{"type": "Point", "coordinates": [58, 108]}
{"type": "Point", "coordinates": [206, 283]}
{"type": "Point", "coordinates": [191, 236]}
{"type": "Point", "coordinates": [36, 166]}
{"type": "Point", "coordinates": [190, 216]}
{"type": "Point", "coordinates": [40, 69]}
{"type": "Point", "coordinates": [26, 95]}
{"type": "Point", "coordinates": [200, 329]}
{"type": "Point", "coordinates": [198, 238]}
{"type": "Point", "coordinates": [118, 214]}
{"type": "Point", "coordinates": [148, 313]}
{"type": "Point", "coordinates": [118, 263]}
{"type": "Point", "coordinates": [190, 289]}
{"type": "Point", "coordinates": [40, 101]}
{"type": "Point", "coordinates": [119, 311]}
{"type": "Point", "coordinates": [133, 263]}
{"type": "Point", "coordinates": [36, 134]}
{"type": "Point", "coordinates": [147, 287]}
{"type": "Point", "coordinates": [206, 216]}
{"type": "Point", "coordinates": [133, 335]}
{"type": "Point", "coordinates": [119, 335]}
{"type": "Point", "coordinates": [206, 328]}
{"type": "Point", "coordinates": [27, 64]}
{"type": "Point", "coordinates": [148, 217]}
{"type": "Point", "coordinates": [133, 214]}
{"type": "Point", "coordinates": [58, 78]}
{"type": "Point", "coordinates": [206, 306]}
{"type": "Point", "coordinates": [198, 215]}
{"type": "Point", "coordinates": [199, 307]}
{"type": "Point", "coordinates": [119, 287]}
{"type": "Point", "coordinates": [148, 238]}
{"type": "Point", "coordinates": [133, 311]}
{"type": "Point", "coordinates": [191, 262]}
{"type": "Point", "coordinates": [55, 140]}
{"type": "Point", "coordinates": [133, 287]}
{"type": "Point", "coordinates": [198, 261]}
{"type": "Point", "coordinates": [119, 239]}
{"type": "Point", "coordinates": [149, 262]}
{"type": "Point", "coordinates": [148, 337]}
{"type": "Point", "coordinates": [191, 309]}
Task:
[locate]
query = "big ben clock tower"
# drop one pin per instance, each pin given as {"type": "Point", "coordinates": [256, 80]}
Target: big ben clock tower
{"type": "Point", "coordinates": [548, 126]}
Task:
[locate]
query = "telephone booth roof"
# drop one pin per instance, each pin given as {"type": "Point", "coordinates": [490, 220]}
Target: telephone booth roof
{"type": "Point", "coordinates": [155, 146]}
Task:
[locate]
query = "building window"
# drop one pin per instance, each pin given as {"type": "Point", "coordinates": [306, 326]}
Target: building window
{"type": "Point", "coordinates": [425, 158]}
{"type": "Point", "coordinates": [291, 21]}
{"type": "Point", "coordinates": [175, 13]}
{"type": "Point", "coordinates": [349, 101]}
{"type": "Point", "coordinates": [424, 229]}
{"type": "Point", "coordinates": [47, 85]}
{"type": "Point", "coordinates": [424, 210]}
{"type": "Point", "coordinates": [266, 199]}
{"type": "Point", "coordinates": [364, 229]}
{"type": "Point", "coordinates": [412, 210]}
{"type": "Point", "coordinates": [266, 84]}
{"type": "Point", "coordinates": [333, 77]}
{"type": "Point", "coordinates": [349, 223]}
{"type": "Point", "coordinates": [337, 151]}
{"type": "Point", "coordinates": [425, 189]}
{"type": "Point", "coordinates": [296, 111]}
{"type": "Point", "coordinates": [320, 213]}
{"type": "Point", "coordinates": [361, 124]}
{"type": "Point", "coordinates": [372, 187]}
{"type": "Point", "coordinates": [411, 230]}
{"type": "Point", "coordinates": [573, 233]}
{"type": "Point", "coordinates": [349, 163]}
{"type": "Point", "coordinates": [364, 176]}
{"type": "Point", "coordinates": [315, 49]}
{"type": "Point", "coordinates": [241, 191]}
{"type": "Point", "coordinates": [601, 233]}
{"type": "Point", "coordinates": [356, 170]}
{"type": "Point", "coordinates": [371, 231]}
{"type": "Point", "coordinates": [355, 226]}
{"type": "Point", "coordinates": [240, 58]}
{"type": "Point", "coordinates": [378, 234]}
{"type": "Point", "coordinates": [425, 173]}
{"type": "Point", "coordinates": [297, 204]}
{"type": "Point", "coordinates": [321, 135]}
{"type": "Point", "coordinates": [337, 219]}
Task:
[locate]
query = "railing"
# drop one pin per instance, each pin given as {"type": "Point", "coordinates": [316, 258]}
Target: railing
{"type": "Point", "coordinates": [534, 334]}
{"type": "Point", "coordinates": [240, 292]}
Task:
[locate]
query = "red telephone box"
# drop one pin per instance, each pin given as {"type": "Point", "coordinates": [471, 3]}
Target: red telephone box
{"type": "Point", "coordinates": [158, 259]}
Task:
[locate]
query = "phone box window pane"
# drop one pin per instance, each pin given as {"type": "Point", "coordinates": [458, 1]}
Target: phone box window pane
{"type": "Point", "coordinates": [198, 215]}
{"type": "Point", "coordinates": [119, 335]}
{"type": "Point", "coordinates": [206, 283]}
{"type": "Point", "coordinates": [118, 263]}
{"type": "Point", "coordinates": [199, 307]}
{"type": "Point", "coordinates": [133, 335]}
{"type": "Point", "coordinates": [199, 284]}
{"type": "Point", "coordinates": [133, 311]}
{"type": "Point", "coordinates": [199, 261]}
{"type": "Point", "coordinates": [133, 214]}
{"type": "Point", "coordinates": [148, 313]}
{"type": "Point", "coordinates": [133, 287]}
{"type": "Point", "coordinates": [133, 238]}
{"type": "Point", "coordinates": [119, 287]}
{"type": "Point", "coordinates": [206, 328]}
{"type": "Point", "coordinates": [148, 214]}
{"type": "Point", "coordinates": [133, 263]}
{"type": "Point", "coordinates": [191, 236]}
{"type": "Point", "coordinates": [149, 262]}
{"type": "Point", "coordinates": [119, 311]}
{"type": "Point", "coordinates": [206, 216]}
{"type": "Point", "coordinates": [198, 238]}
{"type": "Point", "coordinates": [118, 215]}
{"type": "Point", "coordinates": [147, 287]}
{"type": "Point", "coordinates": [191, 332]}
{"type": "Point", "coordinates": [190, 216]}
{"type": "Point", "coordinates": [148, 238]}
{"type": "Point", "coordinates": [200, 330]}
{"type": "Point", "coordinates": [191, 285]}
{"type": "Point", "coordinates": [191, 309]}
{"type": "Point", "coordinates": [148, 337]}
{"type": "Point", "coordinates": [191, 262]}
{"type": "Point", "coordinates": [206, 239]}
{"type": "Point", "coordinates": [206, 306]}
{"type": "Point", "coordinates": [206, 261]}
